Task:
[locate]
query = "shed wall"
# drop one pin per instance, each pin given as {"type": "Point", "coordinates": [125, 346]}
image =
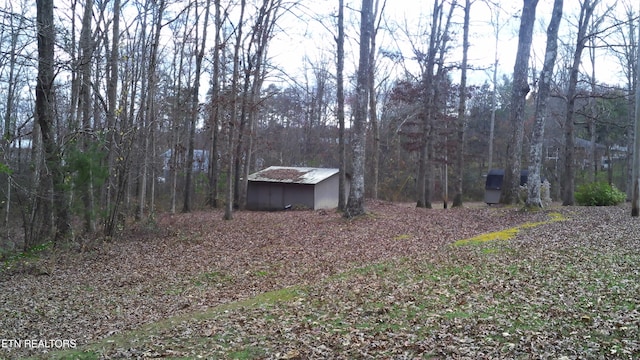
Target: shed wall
{"type": "Point", "coordinates": [275, 196]}
{"type": "Point", "coordinates": [326, 193]}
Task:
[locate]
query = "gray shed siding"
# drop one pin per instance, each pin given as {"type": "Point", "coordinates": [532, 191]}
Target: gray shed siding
{"type": "Point", "coordinates": [275, 196]}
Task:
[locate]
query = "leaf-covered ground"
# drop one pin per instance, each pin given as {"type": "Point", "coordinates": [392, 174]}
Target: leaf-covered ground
{"type": "Point", "coordinates": [397, 283]}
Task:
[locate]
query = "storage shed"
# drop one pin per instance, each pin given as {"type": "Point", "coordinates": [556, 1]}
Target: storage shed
{"type": "Point", "coordinates": [279, 187]}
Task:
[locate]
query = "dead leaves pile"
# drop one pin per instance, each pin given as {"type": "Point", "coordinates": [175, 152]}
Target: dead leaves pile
{"type": "Point", "coordinates": [304, 284]}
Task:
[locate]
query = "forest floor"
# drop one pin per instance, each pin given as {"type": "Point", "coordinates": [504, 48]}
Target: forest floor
{"type": "Point", "coordinates": [400, 282]}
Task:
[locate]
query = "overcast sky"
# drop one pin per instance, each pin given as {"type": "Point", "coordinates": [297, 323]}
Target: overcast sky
{"type": "Point", "coordinates": [307, 37]}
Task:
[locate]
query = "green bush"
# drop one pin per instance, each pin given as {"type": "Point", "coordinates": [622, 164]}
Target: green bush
{"type": "Point", "coordinates": [599, 194]}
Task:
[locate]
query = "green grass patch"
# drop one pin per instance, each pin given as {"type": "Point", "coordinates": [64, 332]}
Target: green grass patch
{"type": "Point", "coordinates": [75, 355]}
{"type": "Point", "coordinates": [145, 338]}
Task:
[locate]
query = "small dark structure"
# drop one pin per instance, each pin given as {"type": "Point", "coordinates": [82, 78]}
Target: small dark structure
{"type": "Point", "coordinates": [279, 187]}
{"type": "Point", "coordinates": [493, 185]}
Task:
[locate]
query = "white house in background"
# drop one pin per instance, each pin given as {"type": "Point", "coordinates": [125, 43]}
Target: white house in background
{"type": "Point", "coordinates": [200, 162]}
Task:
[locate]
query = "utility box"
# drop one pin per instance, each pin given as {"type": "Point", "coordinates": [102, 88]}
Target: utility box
{"type": "Point", "coordinates": [493, 185]}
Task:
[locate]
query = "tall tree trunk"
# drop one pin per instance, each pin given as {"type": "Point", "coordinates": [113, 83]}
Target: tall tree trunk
{"type": "Point", "coordinates": [141, 141]}
{"type": "Point", "coordinates": [355, 204]}
{"type": "Point", "coordinates": [178, 118]}
{"type": "Point", "coordinates": [635, 190]}
{"type": "Point", "coordinates": [568, 181]}
{"type": "Point", "coordinates": [147, 127]}
{"type": "Point", "coordinates": [593, 151]}
{"type": "Point", "coordinates": [422, 182]}
{"type": "Point", "coordinates": [228, 210]}
{"type": "Point", "coordinates": [462, 108]}
{"type": "Point", "coordinates": [84, 109]}
{"type": "Point", "coordinates": [511, 188]}
{"type": "Point", "coordinates": [263, 30]}
{"type": "Point", "coordinates": [214, 116]}
{"type": "Point", "coordinates": [373, 106]}
{"type": "Point", "coordinates": [112, 133]}
{"type": "Point", "coordinates": [243, 135]}
{"type": "Point", "coordinates": [544, 90]}
{"type": "Point", "coordinates": [431, 79]}
{"type": "Point", "coordinates": [9, 117]}
{"type": "Point", "coordinates": [54, 175]}
{"type": "Point", "coordinates": [631, 70]}
{"type": "Point", "coordinates": [494, 82]}
{"type": "Point", "coordinates": [342, 180]}
{"type": "Point", "coordinates": [195, 108]}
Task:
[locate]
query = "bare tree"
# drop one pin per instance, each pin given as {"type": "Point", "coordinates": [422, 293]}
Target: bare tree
{"type": "Point", "coordinates": [497, 27]}
{"type": "Point", "coordinates": [16, 23]}
{"type": "Point", "coordinates": [627, 57]}
{"type": "Point", "coordinates": [568, 179]}
{"type": "Point", "coordinates": [340, 111]}
{"type": "Point", "coordinates": [54, 199]}
{"type": "Point", "coordinates": [228, 210]}
{"type": "Point", "coordinates": [195, 105]}
{"type": "Point", "coordinates": [635, 197]}
{"type": "Point", "coordinates": [462, 107]}
{"type": "Point", "coordinates": [438, 38]}
{"type": "Point", "coordinates": [215, 110]}
{"type": "Point", "coordinates": [544, 90]}
{"type": "Point", "coordinates": [255, 72]}
{"type": "Point", "coordinates": [510, 191]}
{"type": "Point", "coordinates": [355, 204]}
{"type": "Point", "coordinates": [373, 99]}
{"type": "Point", "coordinates": [112, 134]}
{"type": "Point", "coordinates": [84, 108]}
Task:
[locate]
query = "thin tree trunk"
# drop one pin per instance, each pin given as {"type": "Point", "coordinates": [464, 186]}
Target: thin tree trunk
{"type": "Point", "coordinates": [631, 71]}
{"type": "Point", "coordinates": [462, 108]}
{"type": "Point", "coordinates": [373, 106]}
{"type": "Point", "coordinates": [141, 135]}
{"type": "Point", "coordinates": [243, 135]}
{"type": "Point", "coordinates": [342, 180]}
{"type": "Point", "coordinates": [593, 151]}
{"type": "Point", "coordinates": [494, 94]}
{"type": "Point", "coordinates": [112, 133]}
{"type": "Point", "coordinates": [568, 182]}
{"type": "Point", "coordinates": [214, 117]}
{"type": "Point", "coordinates": [635, 191]}
{"type": "Point", "coordinates": [178, 118]}
{"type": "Point", "coordinates": [195, 104]}
{"type": "Point", "coordinates": [84, 108]}
{"type": "Point", "coordinates": [228, 210]}
{"type": "Point", "coordinates": [9, 118]}
{"type": "Point", "coordinates": [422, 182]}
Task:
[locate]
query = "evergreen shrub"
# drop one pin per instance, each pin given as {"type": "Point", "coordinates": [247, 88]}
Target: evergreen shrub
{"type": "Point", "coordinates": [599, 194]}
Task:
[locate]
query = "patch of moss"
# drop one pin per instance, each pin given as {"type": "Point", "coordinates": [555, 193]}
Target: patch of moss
{"type": "Point", "coordinates": [507, 234]}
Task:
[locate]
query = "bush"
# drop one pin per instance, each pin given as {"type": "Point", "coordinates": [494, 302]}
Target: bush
{"type": "Point", "coordinates": [599, 194]}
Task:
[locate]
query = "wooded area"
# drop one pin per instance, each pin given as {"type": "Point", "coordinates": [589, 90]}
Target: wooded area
{"type": "Point", "coordinates": [113, 111]}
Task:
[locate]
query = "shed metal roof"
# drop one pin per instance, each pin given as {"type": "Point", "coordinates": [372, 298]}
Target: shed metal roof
{"type": "Point", "coordinates": [293, 175]}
